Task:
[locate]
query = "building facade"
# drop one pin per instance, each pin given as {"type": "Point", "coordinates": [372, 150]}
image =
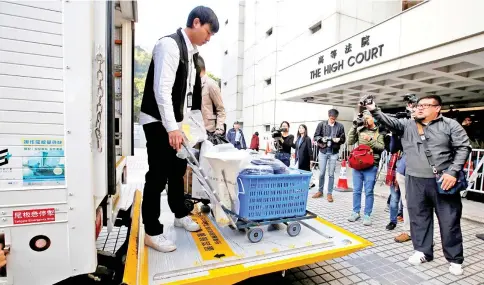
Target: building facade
{"type": "Point", "coordinates": [262, 38]}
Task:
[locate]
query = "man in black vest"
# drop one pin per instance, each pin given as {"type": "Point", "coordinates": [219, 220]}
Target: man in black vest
{"type": "Point", "coordinates": [172, 87]}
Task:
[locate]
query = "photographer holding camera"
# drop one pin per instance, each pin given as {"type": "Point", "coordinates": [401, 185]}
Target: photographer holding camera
{"type": "Point", "coordinates": [370, 146]}
{"type": "Point", "coordinates": [329, 135]}
{"type": "Point", "coordinates": [436, 149]}
{"type": "Point", "coordinates": [283, 142]}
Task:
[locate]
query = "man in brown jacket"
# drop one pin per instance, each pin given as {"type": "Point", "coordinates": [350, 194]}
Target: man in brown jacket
{"type": "Point", "coordinates": [213, 110]}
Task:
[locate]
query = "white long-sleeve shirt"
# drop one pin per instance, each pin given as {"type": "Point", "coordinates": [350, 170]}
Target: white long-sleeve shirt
{"type": "Point", "coordinates": [166, 57]}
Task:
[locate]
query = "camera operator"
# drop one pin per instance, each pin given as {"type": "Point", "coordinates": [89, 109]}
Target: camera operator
{"type": "Point", "coordinates": [365, 132]}
{"type": "Point", "coordinates": [329, 135]}
{"type": "Point", "coordinates": [283, 142]}
{"type": "Point", "coordinates": [436, 149]}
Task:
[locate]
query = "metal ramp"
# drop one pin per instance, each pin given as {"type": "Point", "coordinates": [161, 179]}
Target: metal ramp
{"type": "Point", "coordinates": [217, 255]}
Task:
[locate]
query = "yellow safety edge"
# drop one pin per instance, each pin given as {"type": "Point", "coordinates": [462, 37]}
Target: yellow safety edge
{"type": "Point", "coordinates": [130, 276]}
{"type": "Point", "coordinates": [121, 159]}
{"type": "Point", "coordinates": [225, 275]}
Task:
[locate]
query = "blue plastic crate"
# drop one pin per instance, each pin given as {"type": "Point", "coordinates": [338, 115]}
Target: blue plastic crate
{"type": "Point", "coordinates": [265, 197]}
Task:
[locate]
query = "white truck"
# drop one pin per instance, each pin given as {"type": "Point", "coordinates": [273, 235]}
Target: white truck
{"type": "Point", "coordinates": [66, 108]}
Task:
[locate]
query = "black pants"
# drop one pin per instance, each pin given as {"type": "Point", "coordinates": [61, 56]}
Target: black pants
{"type": "Point", "coordinates": [163, 166]}
{"type": "Point", "coordinates": [422, 199]}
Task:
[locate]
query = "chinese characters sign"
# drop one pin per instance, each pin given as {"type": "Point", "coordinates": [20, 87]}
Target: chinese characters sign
{"type": "Point", "coordinates": [36, 161]}
{"type": "Point", "coordinates": [346, 57]}
{"type": "Point", "coordinates": [33, 216]}
{"type": "Point", "coordinates": [210, 243]}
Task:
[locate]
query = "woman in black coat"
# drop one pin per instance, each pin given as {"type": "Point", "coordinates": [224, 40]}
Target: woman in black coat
{"type": "Point", "coordinates": [304, 149]}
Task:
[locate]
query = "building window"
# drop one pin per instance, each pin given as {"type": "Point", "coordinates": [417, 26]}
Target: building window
{"type": "Point", "coordinates": [268, 81]}
{"type": "Point", "coordinates": [269, 32]}
{"type": "Point", "coordinates": [268, 128]}
{"type": "Point", "coordinates": [316, 27]}
{"type": "Point", "coordinates": [226, 22]}
{"type": "Point", "coordinates": [225, 83]}
{"type": "Point", "coordinates": [226, 52]}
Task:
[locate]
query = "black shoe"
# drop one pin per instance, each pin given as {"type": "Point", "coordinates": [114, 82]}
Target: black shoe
{"type": "Point", "coordinates": [391, 226]}
{"type": "Point", "coordinates": [480, 236]}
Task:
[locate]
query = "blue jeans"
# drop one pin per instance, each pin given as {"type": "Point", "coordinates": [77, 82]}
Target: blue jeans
{"type": "Point", "coordinates": [284, 157]}
{"type": "Point", "coordinates": [394, 203]}
{"type": "Point", "coordinates": [324, 158]}
{"type": "Point", "coordinates": [365, 178]}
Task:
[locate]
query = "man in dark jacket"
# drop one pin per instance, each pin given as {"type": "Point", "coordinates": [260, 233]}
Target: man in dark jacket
{"type": "Point", "coordinates": [433, 139]}
{"type": "Point", "coordinates": [236, 137]}
{"type": "Point", "coordinates": [329, 135]}
{"type": "Point", "coordinates": [173, 87]}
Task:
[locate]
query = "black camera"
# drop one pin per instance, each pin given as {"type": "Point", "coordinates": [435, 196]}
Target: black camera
{"type": "Point", "coordinates": [410, 98]}
{"type": "Point", "coordinates": [359, 121]}
{"type": "Point", "coordinates": [366, 100]}
{"type": "Point", "coordinates": [276, 133]}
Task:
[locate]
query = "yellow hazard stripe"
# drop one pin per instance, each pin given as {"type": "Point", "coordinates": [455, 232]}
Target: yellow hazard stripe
{"type": "Point", "coordinates": [209, 241]}
{"type": "Point", "coordinates": [131, 266]}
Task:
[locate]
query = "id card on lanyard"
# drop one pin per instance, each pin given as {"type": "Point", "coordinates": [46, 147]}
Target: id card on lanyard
{"type": "Point", "coordinates": [190, 93]}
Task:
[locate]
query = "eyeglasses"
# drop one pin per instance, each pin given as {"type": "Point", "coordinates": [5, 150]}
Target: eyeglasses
{"type": "Point", "coordinates": [425, 106]}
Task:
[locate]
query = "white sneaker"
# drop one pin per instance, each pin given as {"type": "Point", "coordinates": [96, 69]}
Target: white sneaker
{"type": "Point", "coordinates": [456, 269]}
{"type": "Point", "coordinates": [417, 258]}
{"type": "Point", "coordinates": [187, 223]}
{"type": "Point", "coordinates": [160, 243]}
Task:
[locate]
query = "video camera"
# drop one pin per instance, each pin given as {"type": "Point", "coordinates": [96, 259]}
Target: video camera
{"type": "Point", "coordinates": [410, 101]}
{"type": "Point", "coordinates": [276, 133]}
{"type": "Point", "coordinates": [365, 100]}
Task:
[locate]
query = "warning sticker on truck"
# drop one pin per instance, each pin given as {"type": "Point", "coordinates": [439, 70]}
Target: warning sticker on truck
{"type": "Point", "coordinates": [209, 241]}
{"type": "Point", "coordinates": [33, 216]}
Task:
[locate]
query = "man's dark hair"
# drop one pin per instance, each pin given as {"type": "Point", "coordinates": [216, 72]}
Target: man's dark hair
{"type": "Point", "coordinates": [206, 16]}
{"type": "Point", "coordinates": [201, 63]}
{"type": "Point", "coordinates": [435, 97]}
{"type": "Point", "coordinates": [333, 112]}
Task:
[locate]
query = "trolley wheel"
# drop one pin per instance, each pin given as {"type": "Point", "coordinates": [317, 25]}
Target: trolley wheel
{"type": "Point", "coordinates": [293, 229]}
{"type": "Point", "coordinates": [189, 205]}
{"type": "Point", "coordinates": [205, 209]}
{"type": "Point", "coordinates": [255, 235]}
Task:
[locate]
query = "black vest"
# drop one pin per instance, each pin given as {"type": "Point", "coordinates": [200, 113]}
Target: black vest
{"type": "Point", "coordinates": [178, 93]}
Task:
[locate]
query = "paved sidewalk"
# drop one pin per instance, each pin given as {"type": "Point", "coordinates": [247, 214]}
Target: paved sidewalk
{"type": "Point", "coordinates": [472, 210]}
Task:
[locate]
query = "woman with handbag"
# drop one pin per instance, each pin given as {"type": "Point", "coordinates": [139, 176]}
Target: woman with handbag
{"type": "Point", "coordinates": [364, 160]}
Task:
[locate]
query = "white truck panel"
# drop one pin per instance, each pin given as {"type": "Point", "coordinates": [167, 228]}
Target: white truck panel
{"type": "Point", "coordinates": [33, 196]}
{"type": "Point", "coordinates": [53, 5]}
{"type": "Point", "coordinates": [30, 59]}
{"type": "Point", "coordinates": [13, 69]}
{"type": "Point", "coordinates": [31, 129]}
{"type": "Point", "coordinates": [30, 36]}
{"type": "Point", "coordinates": [31, 94]}
{"type": "Point", "coordinates": [21, 10]}
{"type": "Point", "coordinates": [30, 24]}
{"type": "Point", "coordinates": [29, 82]}
{"type": "Point", "coordinates": [24, 117]}
{"type": "Point", "coordinates": [14, 104]}
{"type": "Point", "coordinates": [30, 48]}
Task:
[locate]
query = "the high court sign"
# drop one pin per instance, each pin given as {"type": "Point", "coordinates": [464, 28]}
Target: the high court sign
{"type": "Point", "coordinates": [348, 60]}
{"type": "Point", "coordinates": [370, 47]}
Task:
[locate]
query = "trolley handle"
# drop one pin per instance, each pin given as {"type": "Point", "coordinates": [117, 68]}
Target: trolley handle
{"type": "Point", "coordinates": [242, 186]}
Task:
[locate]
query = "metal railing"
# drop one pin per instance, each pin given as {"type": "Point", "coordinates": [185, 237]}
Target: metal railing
{"type": "Point", "coordinates": [471, 166]}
